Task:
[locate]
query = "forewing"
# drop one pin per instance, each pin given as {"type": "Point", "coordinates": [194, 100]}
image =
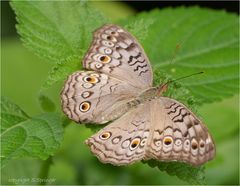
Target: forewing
{"type": "Point", "coordinates": [93, 97]}
{"type": "Point", "coordinates": [116, 52]}
{"type": "Point", "coordinates": [123, 141]}
{"type": "Point", "coordinates": [178, 135]}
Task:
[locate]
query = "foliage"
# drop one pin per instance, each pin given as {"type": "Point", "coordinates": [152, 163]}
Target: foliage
{"type": "Point", "coordinates": [61, 32]}
{"type": "Point", "coordinates": [187, 40]}
{"type": "Point", "coordinates": [184, 171]}
{"type": "Point", "coordinates": [21, 135]}
{"type": "Point", "coordinates": [61, 70]}
{"type": "Point", "coordinates": [210, 46]}
{"type": "Point", "coordinates": [46, 103]}
{"type": "Point", "coordinates": [56, 30]}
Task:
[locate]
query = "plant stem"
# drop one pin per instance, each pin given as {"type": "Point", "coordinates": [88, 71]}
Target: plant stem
{"type": "Point", "coordinates": [43, 174]}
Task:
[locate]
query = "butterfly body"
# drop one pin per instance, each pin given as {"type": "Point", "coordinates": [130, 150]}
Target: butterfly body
{"type": "Point", "coordinates": [118, 88]}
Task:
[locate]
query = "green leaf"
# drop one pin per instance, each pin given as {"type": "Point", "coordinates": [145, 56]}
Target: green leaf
{"type": "Point", "coordinates": [139, 27]}
{"type": "Point", "coordinates": [11, 114]}
{"type": "Point", "coordinates": [185, 172]}
{"type": "Point", "coordinates": [56, 30]}
{"type": "Point", "coordinates": [61, 70]}
{"type": "Point", "coordinates": [46, 103]}
{"type": "Point", "coordinates": [39, 136]}
{"type": "Point", "coordinates": [208, 42]}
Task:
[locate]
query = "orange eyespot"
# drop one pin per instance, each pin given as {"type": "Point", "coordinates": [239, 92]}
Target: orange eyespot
{"type": "Point", "coordinates": [105, 135]}
{"type": "Point", "coordinates": [202, 145]}
{"type": "Point", "coordinates": [167, 140]}
{"type": "Point", "coordinates": [90, 79]}
{"type": "Point", "coordinates": [85, 106]}
{"type": "Point", "coordinates": [194, 146]}
{"type": "Point", "coordinates": [134, 144]}
{"type": "Point", "coordinates": [111, 38]}
{"type": "Point", "coordinates": [114, 33]}
{"type": "Point", "coordinates": [104, 59]}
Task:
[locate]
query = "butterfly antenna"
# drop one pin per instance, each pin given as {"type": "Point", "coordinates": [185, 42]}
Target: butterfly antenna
{"type": "Point", "coordinates": [163, 88]}
{"type": "Point", "coordinates": [184, 77]}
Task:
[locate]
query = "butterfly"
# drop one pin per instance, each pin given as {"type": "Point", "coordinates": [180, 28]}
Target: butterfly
{"type": "Point", "coordinates": [118, 87]}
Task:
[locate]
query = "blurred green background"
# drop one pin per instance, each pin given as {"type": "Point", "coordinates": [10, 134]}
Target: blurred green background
{"type": "Point", "coordinates": [22, 75]}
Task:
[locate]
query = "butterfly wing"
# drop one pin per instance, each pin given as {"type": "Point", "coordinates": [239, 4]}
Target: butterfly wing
{"type": "Point", "coordinates": [178, 135]}
{"type": "Point", "coordinates": [116, 52]}
{"type": "Point", "coordinates": [93, 97]}
{"type": "Point", "coordinates": [123, 141]}
{"type": "Point", "coordinates": [161, 129]}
